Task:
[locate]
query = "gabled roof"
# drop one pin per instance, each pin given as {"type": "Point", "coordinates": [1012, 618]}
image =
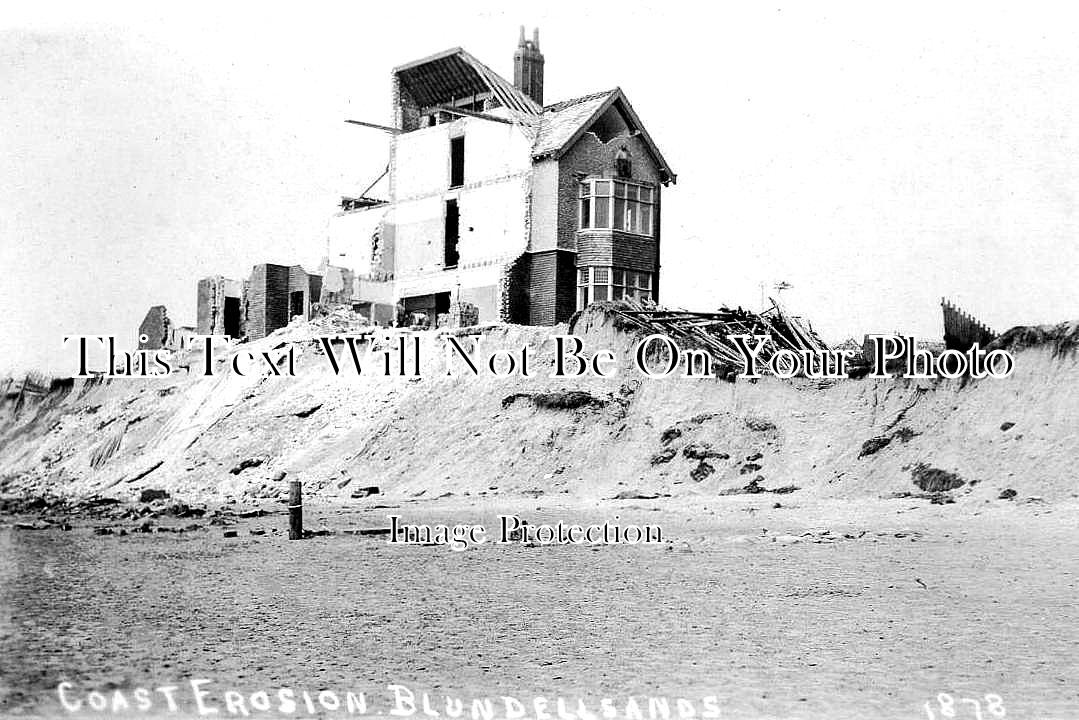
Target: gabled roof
{"type": "Point", "coordinates": [454, 74]}
{"type": "Point", "coordinates": [563, 123]}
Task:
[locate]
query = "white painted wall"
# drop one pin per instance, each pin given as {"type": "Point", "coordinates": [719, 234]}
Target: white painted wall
{"type": "Point", "coordinates": [348, 242]}
{"type": "Point", "coordinates": [493, 203]}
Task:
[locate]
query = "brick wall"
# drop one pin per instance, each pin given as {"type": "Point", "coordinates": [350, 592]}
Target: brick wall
{"type": "Point", "coordinates": [551, 287]}
{"type": "Point", "coordinates": [210, 308]}
{"type": "Point", "coordinates": [155, 326]}
{"type": "Point", "coordinates": [591, 158]}
{"type": "Point", "coordinates": [617, 249]}
{"type": "Point", "coordinates": [514, 290]}
{"type": "Point", "coordinates": [267, 300]}
{"type": "Point", "coordinates": [204, 303]}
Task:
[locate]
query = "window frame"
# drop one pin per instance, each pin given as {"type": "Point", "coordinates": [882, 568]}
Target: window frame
{"type": "Point", "coordinates": [620, 281]}
{"type": "Point", "coordinates": [611, 197]}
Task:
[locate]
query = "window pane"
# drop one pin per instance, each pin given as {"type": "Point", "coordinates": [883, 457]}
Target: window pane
{"type": "Point", "coordinates": [600, 275]}
{"type": "Point", "coordinates": [582, 276]}
{"type": "Point", "coordinates": [620, 189]}
{"type": "Point", "coordinates": [603, 187]}
{"type": "Point", "coordinates": [619, 214]}
{"type": "Point", "coordinates": [599, 293]}
{"type": "Point", "coordinates": [586, 189]}
{"type": "Point", "coordinates": [646, 219]}
{"type": "Point", "coordinates": [616, 293]}
{"type": "Point", "coordinates": [582, 298]}
{"type": "Point", "coordinates": [631, 192]}
{"type": "Point", "coordinates": [603, 212]}
{"type": "Point", "coordinates": [632, 224]}
{"type": "Point", "coordinates": [645, 281]}
{"type": "Point", "coordinates": [619, 277]}
{"type": "Point", "coordinates": [586, 209]}
{"type": "Point", "coordinates": [646, 194]}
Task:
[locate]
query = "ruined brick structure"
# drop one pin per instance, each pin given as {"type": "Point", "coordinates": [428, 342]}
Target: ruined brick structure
{"type": "Point", "coordinates": [160, 333]}
{"type": "Point", "coordinates": [254, 308]}
{"type": "Point", "coordinates": [155, 328]}
{"type": "Point", "coordinates": [220, 307]}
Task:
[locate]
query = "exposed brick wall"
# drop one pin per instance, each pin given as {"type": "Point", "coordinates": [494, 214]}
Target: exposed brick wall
{"type": "Point", "coordinates": [155, 326]}
{"type": "Point", "coordinates": [552, 285]}
{"type": "Point", "coordinates": [267, 300]}
{"type": "Point", "coordinates": [213, 293]}
{"type": "Point", "coordinates": [514, 290]}
{"type": "Point", "coordinates": [406, 113]}
{"type": "Point", "coordinates": [203, 312]}
{"type": "Point", "coordinates": [617, 249]}
{"type": "Point", "coordinates": [310, 285]}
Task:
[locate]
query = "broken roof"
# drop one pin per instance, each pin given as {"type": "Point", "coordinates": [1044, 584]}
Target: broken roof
{"type": "Point", "coordinates": [563, 123]}
{"type": "Point", "coordinates": [454, 74]}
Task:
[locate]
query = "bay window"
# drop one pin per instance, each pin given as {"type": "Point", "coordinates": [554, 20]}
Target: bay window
{"type": "Point", "coordinates": [600, 284]}
{"type": "Point", "coordinates": [617, 205]}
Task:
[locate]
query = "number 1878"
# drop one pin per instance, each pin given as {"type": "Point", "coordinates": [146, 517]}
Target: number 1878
{"type": "Point", "coordinates": [950, 707]}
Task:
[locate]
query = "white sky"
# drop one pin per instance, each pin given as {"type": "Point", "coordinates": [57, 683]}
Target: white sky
{"type": "Point", "coordinates": [875, 158]}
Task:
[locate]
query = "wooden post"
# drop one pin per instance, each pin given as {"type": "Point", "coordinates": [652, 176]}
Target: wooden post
{"type": "Point", "coordinates": [295, 511]}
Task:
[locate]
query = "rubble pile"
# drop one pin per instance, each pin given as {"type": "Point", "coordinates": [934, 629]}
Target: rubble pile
{"type": "Point", "coordinates": [712, 330]}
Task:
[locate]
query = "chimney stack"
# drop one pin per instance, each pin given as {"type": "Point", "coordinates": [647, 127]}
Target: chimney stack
{"type": "Point", "coordinates": [528, 66]}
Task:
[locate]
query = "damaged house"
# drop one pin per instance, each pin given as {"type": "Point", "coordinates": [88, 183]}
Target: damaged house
{"type": "Point", "coordinates": [526, 211]}
{"type": "Point", "coordinates": [495, 204]}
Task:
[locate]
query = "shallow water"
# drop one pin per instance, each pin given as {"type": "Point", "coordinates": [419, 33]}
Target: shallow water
{"type": "Point", "coordinates": [803, 630]}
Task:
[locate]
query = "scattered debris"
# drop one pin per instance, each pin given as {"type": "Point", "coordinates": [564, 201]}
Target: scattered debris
{"type": "Point", "coordinates": [367, 531]}
{"type": "Point", "coordinates": [562, 400]}
{"type": "Point", "coordinates": [702, 471]}
{"type": "Point", "coordinates": [664, 455]}
{"type": "Point", "coordinates": [1007, 494]}
{"type": "Point", "coordinates": [712, 331]}
{"type": "Point", "coordinates": [703, 451]}
{"type": "Point", "coordinates": [874, 445]}
{"type": "Point", "coordinates": [671, 433]}
{"type": "Point", "coordinates": [146, 472]}
{"type": "Point", "coordinates": [904, 434]}
{"type": "Point", "coordinates": [1006, 426]}
{"type": "Point", "coordinates": [637, 495]}
{"type": "Point", "coordinates": [248, 463]}
{"type": "Point", "coordinates": [149, 495]}
{"type": "Point", "coordinates": [754, 487]}
{"type": "Point", "coordinates": [760, 424]}
{"type": "Point", "coordinates": [933, 479]}
{"type": "Point", "coordinates": [308, 412]}
{"type": "Point", "coordinates": [365, 492]}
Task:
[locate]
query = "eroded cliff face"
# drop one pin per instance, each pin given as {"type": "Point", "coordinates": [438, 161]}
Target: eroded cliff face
{"type": "Point", "coordinates": [232, 436]}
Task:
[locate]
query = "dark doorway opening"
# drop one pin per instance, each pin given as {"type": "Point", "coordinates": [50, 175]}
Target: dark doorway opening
{"type": "Point", "coordinates": [442, 303]}
{"type": "Point", "coordinates": [453, 233]}
{"type": "Point", "coordinates": [457, 161]}
{"type": "Point", "coordinates": [232, 317]}
{"type": "Point", "coordinates": [295, 304]}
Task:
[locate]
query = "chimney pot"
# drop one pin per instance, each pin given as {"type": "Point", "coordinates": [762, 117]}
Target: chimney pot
{"type": "Point", "coordinates": [528, 67]}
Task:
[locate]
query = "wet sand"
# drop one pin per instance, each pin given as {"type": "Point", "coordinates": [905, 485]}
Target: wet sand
{"type": "Point", "coordinates": [852, 610]}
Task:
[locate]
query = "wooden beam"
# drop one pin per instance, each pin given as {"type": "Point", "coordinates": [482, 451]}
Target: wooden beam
{"type": "Point", "coordinates": [383, 128]}
{"type": "Point", "coordinates": [470, 113]}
